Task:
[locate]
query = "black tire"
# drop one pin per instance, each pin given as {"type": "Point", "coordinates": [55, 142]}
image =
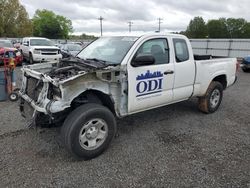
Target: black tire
{"type": "Point", "coordinates": [13, 96]}
{"type": "Point", "coordinates": [206, 104]}
{"type": "Point", "coordinates": [31, 61]}
{"type": "Point", "coordinates": [75, 123]}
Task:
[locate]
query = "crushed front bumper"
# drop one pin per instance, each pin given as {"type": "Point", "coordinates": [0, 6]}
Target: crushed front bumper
{"type": "Point", "coordinates": [39, 101]}
{"type": "Point", "coordinates": [34, 92]}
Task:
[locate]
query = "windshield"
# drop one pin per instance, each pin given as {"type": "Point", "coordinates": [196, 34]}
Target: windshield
{"type": "Point", "coordinates": [5, 43]}
{"type": "Point", "coordinates": [41, 42]}
{"type": "Point", "coordinates": [109, 49]}
{"type": "Point", "coordinates": [74, 47]}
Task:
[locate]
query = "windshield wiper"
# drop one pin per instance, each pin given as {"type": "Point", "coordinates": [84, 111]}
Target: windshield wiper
{"type": "Point", "coordinates": [98, 63]}
{"type": "Point", "coordinates": [85, 62]}
{"type": "Point", "coordinates": [107, 63]}
{"type": "Point", "coordinates": [97, 60]}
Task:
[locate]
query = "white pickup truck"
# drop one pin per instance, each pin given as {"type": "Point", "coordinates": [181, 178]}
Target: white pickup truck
{"type": "Point", "coordinates": [38, 49]}
{"type": "Point", "coordinates": [115, 77]}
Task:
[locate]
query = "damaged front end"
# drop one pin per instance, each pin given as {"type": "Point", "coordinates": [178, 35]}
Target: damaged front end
{"type": "Point", "coordinates": [48, 89]}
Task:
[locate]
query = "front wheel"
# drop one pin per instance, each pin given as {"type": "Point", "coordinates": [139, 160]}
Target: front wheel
{"type": "Point", "coordinates": [88, 130]}
{"type": "Point", "coordinates": [212, 99]}
{"type": "Point", "coordinates": [31, 61]}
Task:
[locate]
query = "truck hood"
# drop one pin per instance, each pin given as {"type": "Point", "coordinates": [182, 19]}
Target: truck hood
{"type": "Point", "coordinates": [64, 71]}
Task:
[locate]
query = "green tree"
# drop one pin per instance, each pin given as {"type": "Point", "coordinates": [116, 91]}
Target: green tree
{"type": "Point", "coordinates": [236, 27]}
{"type": "Point", "coordinates": [14, 20]}
{"type": "Point", "coordinates": [66, 26]}
{"type": "Point", "coordinates": [82, 37]}
{"type": "Point", "coordinates": [217, 28]}
{"type": "Point", "coordinates": [47, 24]}
{"type": "Point", "coordinates": [246, 31]}
{"type": "Point", "coordinates": [1, 17]}
{"type": "Point", "coordinates": [197, 28]}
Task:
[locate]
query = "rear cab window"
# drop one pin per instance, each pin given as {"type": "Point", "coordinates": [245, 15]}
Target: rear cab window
{"type": "Point", "coordinates": [181, 50]}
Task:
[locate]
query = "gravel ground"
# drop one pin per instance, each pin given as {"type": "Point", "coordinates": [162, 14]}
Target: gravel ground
{"type": "Point", "coordinates": [173, 146]}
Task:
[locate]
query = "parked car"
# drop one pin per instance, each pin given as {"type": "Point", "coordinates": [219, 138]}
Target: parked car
{"type": "Point", "coordinates": [70, 49]}
{"type": "Point", "coordinates": [37, 49]}
{"type": "Point", "coordinates": [17, 45]}
{"type": "Point", "coordinates": [116, 77]}
{"type": "Point", "coordinates": [6, 43]}
{"type": "Point", "coordinates": [245, 65]}
{"type": "Point", "coordinates": [79, 43]}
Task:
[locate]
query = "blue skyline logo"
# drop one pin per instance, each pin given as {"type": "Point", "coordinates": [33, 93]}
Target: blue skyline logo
{"type": "Point", "coordinates": [148, 75]}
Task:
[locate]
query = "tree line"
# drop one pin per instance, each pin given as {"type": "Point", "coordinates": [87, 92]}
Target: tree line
{"type": "Point", "coordinates": [15, 22]}
{"type": "Point", "coordinates": [218, 28]}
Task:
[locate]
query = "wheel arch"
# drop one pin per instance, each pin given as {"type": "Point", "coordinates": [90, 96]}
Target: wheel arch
{"type": "Point", "coordinates": [94, 96]}
{"type": "Point", "coordinates": [222, 79]}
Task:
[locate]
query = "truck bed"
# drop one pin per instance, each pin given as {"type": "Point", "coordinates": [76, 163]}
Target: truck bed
{"type": "Point", "coordinates": [211, 68]}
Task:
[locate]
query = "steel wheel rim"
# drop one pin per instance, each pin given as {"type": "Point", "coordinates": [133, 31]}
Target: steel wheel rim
{"type": "Point", "coordinates": [93, 134]}
{"type": "Point", "coordinates": [215, 98]}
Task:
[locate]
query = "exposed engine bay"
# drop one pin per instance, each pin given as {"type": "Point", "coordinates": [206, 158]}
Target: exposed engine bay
{"type": "Point", "coordinates": [72, 66]}
{"type": "Point", "coordinates": [50, 90]}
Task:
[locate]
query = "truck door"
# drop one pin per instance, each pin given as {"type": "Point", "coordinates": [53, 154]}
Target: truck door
{"type": "Point", "coordinates": [184, 69]}
{"type": "Point", "coordinates": [151, 86]}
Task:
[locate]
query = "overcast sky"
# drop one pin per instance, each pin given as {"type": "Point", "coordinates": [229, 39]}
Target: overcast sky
{"type": "Point", "coordinates": [176, 14]}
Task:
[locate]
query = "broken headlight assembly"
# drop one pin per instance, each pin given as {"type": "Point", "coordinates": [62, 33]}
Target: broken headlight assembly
{"type": "Point", "coordinates": [54, 93]}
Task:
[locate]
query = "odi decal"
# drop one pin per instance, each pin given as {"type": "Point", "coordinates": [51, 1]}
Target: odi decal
{"type": "Point", "coordinates": [149, 83]}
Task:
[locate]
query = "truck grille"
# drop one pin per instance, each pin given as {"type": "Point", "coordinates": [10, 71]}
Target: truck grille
{"type": "Point", "coordinates": [50, 53]}
{"type": "Point", "coordinates": [34, 88]}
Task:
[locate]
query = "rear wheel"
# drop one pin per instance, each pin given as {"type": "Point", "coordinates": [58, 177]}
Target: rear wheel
{"type": "Point", "coordinates": [212, 99]}
{"type": "Point", "coordinates": [88, 130]}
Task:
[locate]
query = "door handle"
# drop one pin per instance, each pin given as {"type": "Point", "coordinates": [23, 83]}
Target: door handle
{"type": "Point", "coordinates": [168, 72]}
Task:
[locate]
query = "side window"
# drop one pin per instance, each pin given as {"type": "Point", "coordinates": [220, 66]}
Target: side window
{"type": "Point", "coordinates": [157, 48]}
{"type": "Point", "coordinates": [181, 50]}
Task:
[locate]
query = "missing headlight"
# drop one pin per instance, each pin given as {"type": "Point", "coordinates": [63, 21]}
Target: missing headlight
{"type": "Point", "coordinates": [54, 92]}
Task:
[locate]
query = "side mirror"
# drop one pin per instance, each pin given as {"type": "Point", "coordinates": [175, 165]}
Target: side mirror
{"type": "Point", "coordinates": [143, 60]}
